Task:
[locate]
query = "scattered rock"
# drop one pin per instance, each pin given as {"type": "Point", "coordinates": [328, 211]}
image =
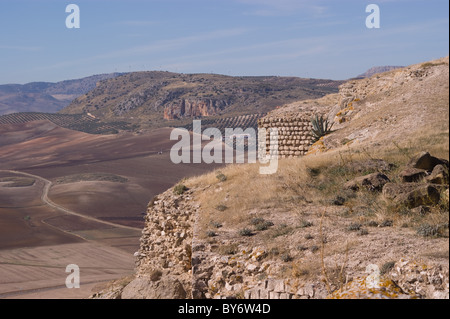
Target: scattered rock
{"type": "Point", "coordinates": [363, 288]}
{"type": "Point", "coordinates": [426, 162]}
{"type": "Point", "coordinates": [426, 281]}
{"type": "Point", "coordinates": [372, 182]}
{"type": "Point", "coordinates": [412, 175]}
{"type": "Point", "coordinates": [439, 175]}
{"type": "Point", "coordinates": [411, 195]}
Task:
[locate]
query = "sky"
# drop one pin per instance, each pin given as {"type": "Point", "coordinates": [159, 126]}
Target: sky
{"type": "Point", "coordinates": [306, 38]}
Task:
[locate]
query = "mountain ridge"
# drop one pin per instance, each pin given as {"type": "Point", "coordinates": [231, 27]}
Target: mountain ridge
{"type": "Point", "coordinates": [154, 97]}
{"type": "Point", "coordinates": [46, 96]}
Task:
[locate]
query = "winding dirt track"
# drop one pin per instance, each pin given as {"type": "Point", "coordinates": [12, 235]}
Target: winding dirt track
{"type": "Point", "coordinates": [49, 202]}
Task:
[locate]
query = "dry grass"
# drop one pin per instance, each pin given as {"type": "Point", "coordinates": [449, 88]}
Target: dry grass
{"type": "Point", "coordinates": [315, 179]}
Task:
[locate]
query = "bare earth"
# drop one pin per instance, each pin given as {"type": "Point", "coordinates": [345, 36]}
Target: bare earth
{"type": "Point", "coordinates": [95, 224]}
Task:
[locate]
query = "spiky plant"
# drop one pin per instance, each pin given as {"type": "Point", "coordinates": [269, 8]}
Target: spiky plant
{"type": "Point", "coordinates": [321, 127]}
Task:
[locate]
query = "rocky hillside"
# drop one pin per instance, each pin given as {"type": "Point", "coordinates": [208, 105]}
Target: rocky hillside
{"type": "Point", "coordinates": [155, 97]}
{"type": "Point", "coordinates": [363, 215]}
{"type": "Point", "coordinates": [45, 96]}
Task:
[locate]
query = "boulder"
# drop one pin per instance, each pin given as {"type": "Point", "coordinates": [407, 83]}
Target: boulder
{"type": "Point", "coordinates": [372, 182]}
{"type": "Point", "coordinates": [412, 175]}
{"type": "Point", "coordinates": [427, 162]}
{"type": "Point", "coordinates": [411, 195]}
{"type": "Point", "coordinates": [439, 175]}
{"type": "Point", "coordinates": [145, 288]}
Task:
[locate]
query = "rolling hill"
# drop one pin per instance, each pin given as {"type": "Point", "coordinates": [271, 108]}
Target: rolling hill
{"type": "Point", "coordinates": [156, 98]}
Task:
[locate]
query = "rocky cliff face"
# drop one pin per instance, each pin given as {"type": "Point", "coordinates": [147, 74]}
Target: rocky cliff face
{"type": "Point", "coordinates": [192, 108]}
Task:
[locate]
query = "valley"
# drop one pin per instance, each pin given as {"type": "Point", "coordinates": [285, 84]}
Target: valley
{"type": "Point", "coordinates": [68, 197]}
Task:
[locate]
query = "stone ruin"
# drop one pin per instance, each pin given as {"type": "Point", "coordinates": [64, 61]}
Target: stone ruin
{"type": "Point", "coordinates": [294, 134]}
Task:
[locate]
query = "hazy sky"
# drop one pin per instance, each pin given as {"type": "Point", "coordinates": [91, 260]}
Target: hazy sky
{"type": "Point", "coordinates": [306, 38]}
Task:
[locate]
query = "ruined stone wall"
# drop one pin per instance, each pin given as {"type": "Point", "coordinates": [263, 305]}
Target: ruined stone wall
{"type": "Point", "coordinates": [163, 262]}
{"type": "Point", "coordinates": [294, 134]}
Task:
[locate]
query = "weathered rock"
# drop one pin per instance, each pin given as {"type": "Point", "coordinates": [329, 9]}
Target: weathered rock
{"type": "Point", "coordinates": [361, 288]}
{"type": "Point", "coordinates": [426, 281]}
{"type": "Point", "coordinates": [412, 175]}
{"type": "Point", "coordinates": [445, 196]}
{"type": "Point", "coordinates": [439, 175]}
{"type": "Point", "coordinates": [425, 161]}
{"type": "Point", "coordinates": [411, 195]}
{"type": "Point", "coordinates": [372, 182]}
{"type": "Point", "coordinates": [144, 288]}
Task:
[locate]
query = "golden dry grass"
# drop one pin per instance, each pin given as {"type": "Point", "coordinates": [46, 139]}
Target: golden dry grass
{"type": "Point", "coordinates": [313, 179]}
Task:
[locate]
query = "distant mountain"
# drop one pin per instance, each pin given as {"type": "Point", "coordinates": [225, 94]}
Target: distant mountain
{"type": "Point", "coordinates": [46, 96]}
{"type": "Point", "coordinates": [153, 98]}
{"type": "Point", "coordinates": [378, 69]}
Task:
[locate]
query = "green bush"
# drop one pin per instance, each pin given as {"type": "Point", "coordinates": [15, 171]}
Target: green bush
{"type": "Point", "coordinates": [221, 177]}
{"type": "Point", "coordinates": [179, 189]}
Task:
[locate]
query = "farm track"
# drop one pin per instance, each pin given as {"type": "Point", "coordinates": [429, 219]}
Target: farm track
{"type": "Point", "coordinates": [44, 197]}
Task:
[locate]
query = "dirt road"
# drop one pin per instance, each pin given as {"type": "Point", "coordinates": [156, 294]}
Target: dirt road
{"type": "Point", "coordinates": [49, 202]}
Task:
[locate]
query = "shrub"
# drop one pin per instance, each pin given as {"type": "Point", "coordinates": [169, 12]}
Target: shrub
{"type": "Point", "coordinates": [354, 227]}
{"type": "Point", "coordinates": [387, 267]}
{"type": "Point", "coordinates": [179, 189]}
{"type": "Point", "coordinates": [427, 230]}
{"type": "Point", "coordinates": [321, 127]}
{"type": "Point", "coordinates": [281, 230]}
{"type": "Point", "coordinates": [314, 248]}
{"type": "Point", "coordinates": [372, 223]}
{"type": "Point", "coordinates": [305, 224]}
{"type": "Point", "coordinates": [216, 224]}
{"type": "Point", "coordinates": [245, 232]}
{"type": "Point", "coordinates": [221, 177]}
{"type": "Point", "coordinates": [257, 220]}
{"type": "Point", "coordinates": [286, 258]}
{"type": "Point", "coordinates": [221, 208]}
{"type": "Point", "coordinates": [210, 233]}
{"type": "Point", "coordinates": [263, 225]}
{"type": "Point", "coordinates": [387, 223]}
{"type": "Point", "coordinates": [363, 232]}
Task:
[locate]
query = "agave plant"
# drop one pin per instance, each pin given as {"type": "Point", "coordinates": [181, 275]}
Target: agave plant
{"type": "Point", "coordinates": [321, 127]}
